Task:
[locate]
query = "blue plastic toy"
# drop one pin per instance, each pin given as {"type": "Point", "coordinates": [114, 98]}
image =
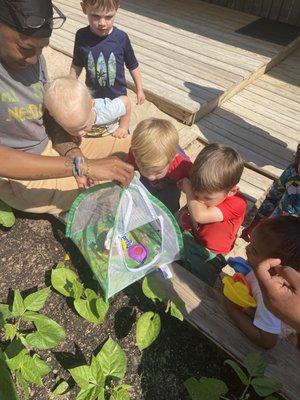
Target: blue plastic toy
{"type": "Point", "coordinates": [239, 264]}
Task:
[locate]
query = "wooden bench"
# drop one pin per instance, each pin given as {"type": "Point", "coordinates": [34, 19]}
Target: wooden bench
{"type": "Point", "coordinates": [204, 309]}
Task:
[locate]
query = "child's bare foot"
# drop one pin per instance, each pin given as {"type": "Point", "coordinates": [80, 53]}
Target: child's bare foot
{"type": "Point", "coordinates": [120, 133]}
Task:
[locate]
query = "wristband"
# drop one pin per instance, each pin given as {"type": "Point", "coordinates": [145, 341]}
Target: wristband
{"type": "Point", "coordinates": [80, 167]}
{"type": "Point", "coordinates": [77, 163]}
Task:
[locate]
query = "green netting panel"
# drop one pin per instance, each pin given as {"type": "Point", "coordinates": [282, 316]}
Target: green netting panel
{"type": "Point", "coordinates": [123, 233]}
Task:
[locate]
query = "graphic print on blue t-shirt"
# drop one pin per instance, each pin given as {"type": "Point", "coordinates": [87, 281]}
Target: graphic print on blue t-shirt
{"type": "Point", "coordinates": [101, 70]}
{"type": "Point", "coordinates": [112, 69]}
{"type": "Point", "coordinates": [104, 59]}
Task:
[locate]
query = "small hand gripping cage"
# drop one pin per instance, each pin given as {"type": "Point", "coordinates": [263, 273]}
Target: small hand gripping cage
{"type": "Point", "coordinates": [123, 233]}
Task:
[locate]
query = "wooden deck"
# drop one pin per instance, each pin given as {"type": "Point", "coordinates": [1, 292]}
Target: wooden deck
{"type": "Point", "coordinates": [191, 58]}
{"type": "Point", "coordinates": [204, 308]}
{"type": "Point", "coordinates": [262, 121]}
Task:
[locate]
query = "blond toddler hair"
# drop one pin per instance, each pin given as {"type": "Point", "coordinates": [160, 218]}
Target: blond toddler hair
{"type": "Point", "coordinates": [217, 168]}
{"type": "Point", "coordinates": [66, 95]}
{"type": "Point", "coordinates": [154, 144]}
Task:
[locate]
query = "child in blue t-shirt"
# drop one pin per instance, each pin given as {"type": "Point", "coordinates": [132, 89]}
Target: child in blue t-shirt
{"type": "Point", "coordinates": [102, 49]}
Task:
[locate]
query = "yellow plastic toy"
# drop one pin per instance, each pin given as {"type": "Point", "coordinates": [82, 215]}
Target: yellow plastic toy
{"type": "Point", "coordinates": [236, 289]}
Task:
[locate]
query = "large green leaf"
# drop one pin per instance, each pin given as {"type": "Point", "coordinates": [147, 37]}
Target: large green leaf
{"type": "Point", "coordinates": [192, 385]}
{"type": "Point", "coordinates": [66, 282]}
{"type": "Point", "coordinates": [82, 375]}
{"type": "Point", "coordinates": [147, 329]}
{"type": "Point", "coordinates": [153, 288]}
{"type": "Point", "coordinates": [10, 331]}
{"type": "Point", "coordinates": [206, 388]}
{"type": "Point", "coordinates": [4, 313]}
{"type": "Point", "coordinates": [120, 393]}
{"type": "Point", "coordinates": [42, 367]}
{"type": "Point", "coordinates": [238, 370]}
{"type": "Point", "coordinates": [7, 388]}
{"type": "Point", "coordinates": [98, 377]}
{"type": "Point", "coordinates": [29, 371]}
{"type": "Point", "coordinates": [265, 386]}
{"type": "Point", "coordinates": [7, 217]}
{"type": "Point", "coordinates": [93, 310]}
{"type": "Point", "coordinates": [23, 385]}
{"type": "Point", "coordinates": [36, 301]}
{"type": "Point", "coordinates": [175, 306]}
{"type": "Point", "coordinates": [60, 389]}
{"type": "Point", "coordinates": [18, 307]}
{"type": "Point", "coordinates": [90, 393]}
{"type": "Point", "coordinates": [14, 363]}
{"type": "Point", "coordinates": [254, 364]}
{"type": "Point", "coordinates": [112, 359]}
{"type": "Point", "coordinates": [49, 333]}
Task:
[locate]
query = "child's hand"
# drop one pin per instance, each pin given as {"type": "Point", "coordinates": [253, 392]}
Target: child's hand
{"type": "Point", "coordinates": [120, 133]}
{"type": "Point", "coordinates": [140, 97]}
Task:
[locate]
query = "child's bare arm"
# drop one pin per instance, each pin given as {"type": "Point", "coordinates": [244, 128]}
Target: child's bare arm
{"type": "Point", "coordinates": [75, 71]}
{"type": "Point", "coordinates": [199, 212]}
{"type": "Point", "coordinates": [137, 78]}
{"type": "Point", "coordinates": [244, 322]}
{"type": "Point", "coordinates": [122, 130]}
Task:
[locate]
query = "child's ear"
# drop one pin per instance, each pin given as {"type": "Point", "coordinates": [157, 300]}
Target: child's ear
{"type": "Point", "coordinates": [233, 191]}
{"type": "Point", "coordinates": [83, 7]}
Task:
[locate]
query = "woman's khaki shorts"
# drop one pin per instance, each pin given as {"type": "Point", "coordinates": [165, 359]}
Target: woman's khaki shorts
{"type": "Point", "coordinates": [53, 196]}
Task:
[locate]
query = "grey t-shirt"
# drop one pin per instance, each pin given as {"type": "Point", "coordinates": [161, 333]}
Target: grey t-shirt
{"type": "Point", "coordinates": [21, 99]}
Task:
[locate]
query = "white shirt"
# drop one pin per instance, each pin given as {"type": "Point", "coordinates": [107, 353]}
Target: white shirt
{"type": "Point", "coordinates": [263, 318]}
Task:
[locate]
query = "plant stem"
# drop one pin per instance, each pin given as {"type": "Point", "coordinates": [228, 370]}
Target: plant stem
{"type": "Point", "coordinates": [224, 398]}
{"type": "Point", "coordinates": [245, 391]}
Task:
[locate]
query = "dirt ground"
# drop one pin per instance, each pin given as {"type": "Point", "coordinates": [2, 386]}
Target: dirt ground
{"type": "Point", "coordinates": [28, 253]}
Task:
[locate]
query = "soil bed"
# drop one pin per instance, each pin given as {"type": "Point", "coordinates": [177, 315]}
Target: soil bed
{"type": "Point", "coordinates": [28, 253]}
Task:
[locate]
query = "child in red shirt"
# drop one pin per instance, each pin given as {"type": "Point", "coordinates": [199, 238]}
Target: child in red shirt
{"type": "Point", "coordinates": [156, 154]}
{"type": "Point", "coordinates": [215, 209]}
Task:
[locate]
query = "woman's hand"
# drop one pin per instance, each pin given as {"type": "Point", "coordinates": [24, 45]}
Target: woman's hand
{"type": "Point", "coordinates": [281, 291]}
{"type": "Point", "coordinates": [110, 169]}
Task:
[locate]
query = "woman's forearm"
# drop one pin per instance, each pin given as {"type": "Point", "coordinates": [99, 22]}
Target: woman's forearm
{"type": "Point", "coordinates": [16, 164]}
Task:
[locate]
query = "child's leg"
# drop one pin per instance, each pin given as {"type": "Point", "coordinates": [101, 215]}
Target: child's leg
{"type": "Point", "coordinates": [122, 130]}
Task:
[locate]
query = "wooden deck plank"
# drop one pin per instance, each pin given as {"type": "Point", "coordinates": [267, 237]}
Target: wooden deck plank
{"type": "Point", "coordinates": [213, 61]}
{"type": "Point", "coordinates": [204, 308]}
{"type": "Point", "coordinates": [261, 122]}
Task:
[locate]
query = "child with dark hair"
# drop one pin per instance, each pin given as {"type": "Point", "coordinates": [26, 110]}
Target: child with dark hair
{"type": "Point", "coordinates": [277, 237]}
{"type": "Point", "coordinates": [283, 197]}
{"type": "Point", "coordinates": [215, 206]}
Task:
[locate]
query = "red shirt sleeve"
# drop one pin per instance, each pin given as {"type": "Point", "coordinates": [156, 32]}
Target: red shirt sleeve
{"type": "Point", "coordinates": [180, 166]}
{"type": "Point", "coordinates": [233, 207]}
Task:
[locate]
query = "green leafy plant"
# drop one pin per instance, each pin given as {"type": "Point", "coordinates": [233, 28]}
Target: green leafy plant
{"type": "Point", "coordinates": [149, 323]}
{"type": "Point", "coordinates": [97, 380]}
{"type": "Point", "coordinates": [7, 217]}
{"type": "Point", "coordinates": [87, 302]}
{"type": "Point", "coordinates": [251, 375]}
{"type": "Point", "coordinates": [27, 330]}
{"type": "Point", "coordinates": [59, 390]}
